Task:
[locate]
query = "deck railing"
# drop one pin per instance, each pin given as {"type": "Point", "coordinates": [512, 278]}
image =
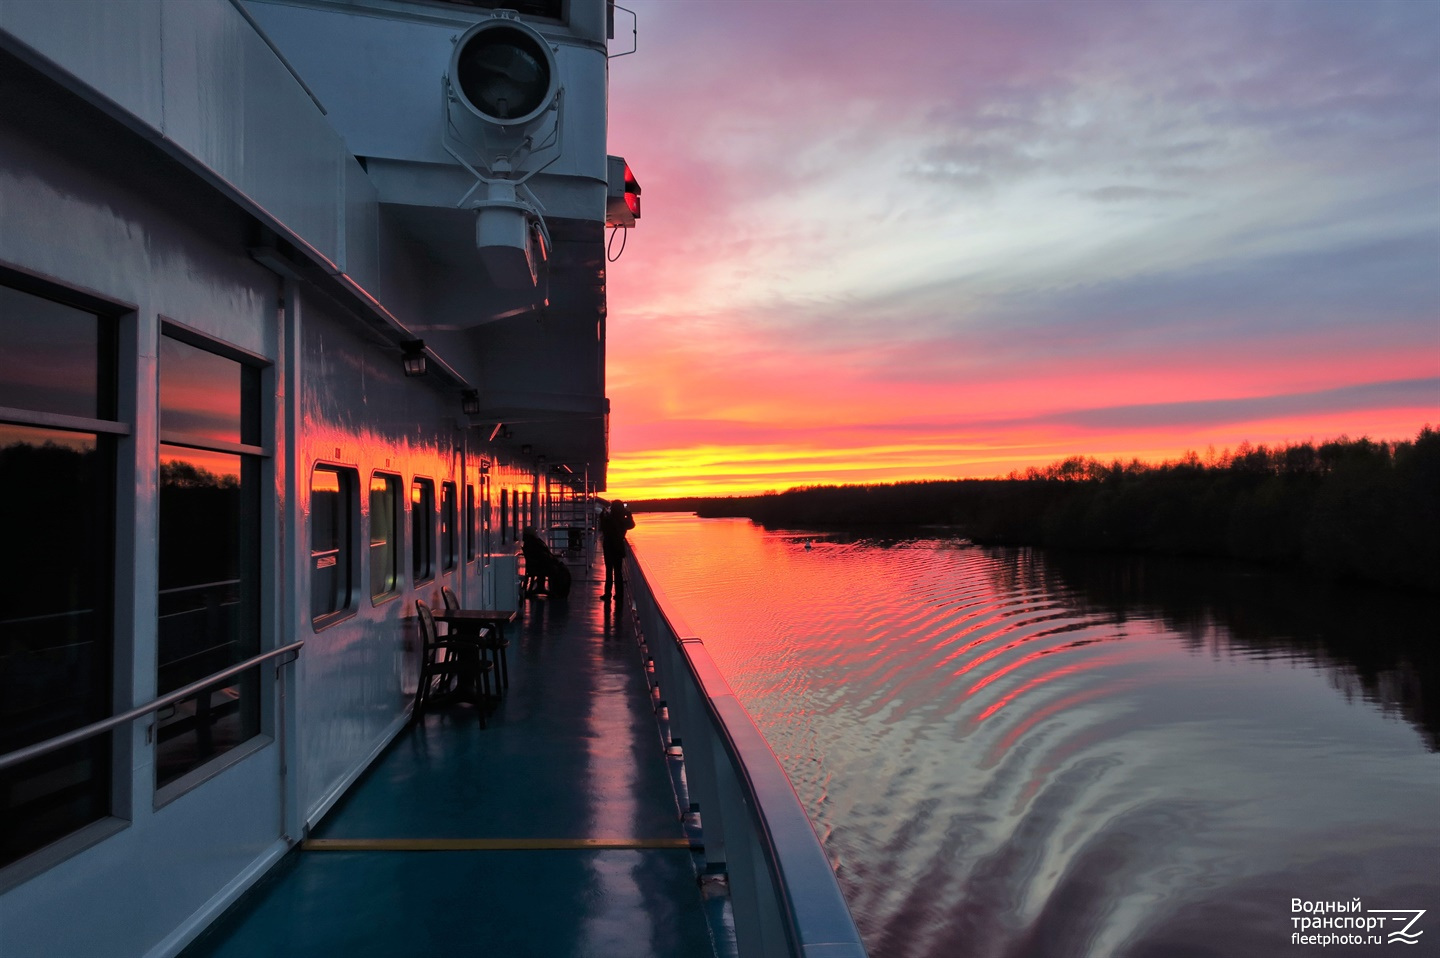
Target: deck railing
{"type": "Point", "coordinates": [784, 894]}
{"type": "Point", "coordinates": [149, 708]}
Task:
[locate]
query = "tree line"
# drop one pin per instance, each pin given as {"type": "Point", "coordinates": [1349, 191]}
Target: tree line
{"type": "Point", "coordinates": [1356, 509]}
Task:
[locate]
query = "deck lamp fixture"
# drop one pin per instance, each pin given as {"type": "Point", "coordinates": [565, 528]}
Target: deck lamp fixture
{"type": "Point", "coordinates": [470, 402]}
{"type": "Point", "coordinates": [503, 108]}
{"type": "Point", "coordinates": [414, 358]}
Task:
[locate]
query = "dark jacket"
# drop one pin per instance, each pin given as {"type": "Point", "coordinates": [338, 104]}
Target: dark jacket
{"type": "Point", "coordinates": [613, 526]}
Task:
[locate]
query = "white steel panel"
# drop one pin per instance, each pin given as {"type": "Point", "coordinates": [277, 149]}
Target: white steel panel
{"type": "Point", "coordinates": [380, 80]}
{"type": "Point", "coordinates": [110, 47]}
{"type": "Point", "coordinates": [360, 257]}
{"type": "Point", "coordinates": [231, 104]}
{"type": "Point", "coordinates": [197, 74]}
{"type": "Point", "coordinates": [141, 884]}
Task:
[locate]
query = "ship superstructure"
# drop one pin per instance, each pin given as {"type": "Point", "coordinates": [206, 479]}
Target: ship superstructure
{"type": "Point", "coordinates": [302, 320]}
{"type": "Point", "coordinates": [295, 332]}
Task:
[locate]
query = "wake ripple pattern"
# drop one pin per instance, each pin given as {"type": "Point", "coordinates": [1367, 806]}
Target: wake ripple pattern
{"type": "Point", "coordinates": [997, 767]}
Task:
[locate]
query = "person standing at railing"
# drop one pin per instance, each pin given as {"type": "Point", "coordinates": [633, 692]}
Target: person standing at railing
{"type": "Point", "coordinates": [614, 523]}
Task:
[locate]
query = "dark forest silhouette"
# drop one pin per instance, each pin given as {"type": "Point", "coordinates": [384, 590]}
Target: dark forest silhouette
{"type": "Point", "coordinates": [1353, 509]}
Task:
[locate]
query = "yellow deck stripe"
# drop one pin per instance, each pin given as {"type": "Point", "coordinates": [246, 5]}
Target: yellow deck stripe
{"type": "Point", "coordinates": [482, 844]}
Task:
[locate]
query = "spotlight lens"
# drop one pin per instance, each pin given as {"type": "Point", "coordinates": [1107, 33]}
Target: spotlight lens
{"type": "Point", "coordinates": [504, 73]}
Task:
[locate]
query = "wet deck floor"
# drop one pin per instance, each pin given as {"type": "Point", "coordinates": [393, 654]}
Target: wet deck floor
{"type": "Point", "coordinates": [572, 753]}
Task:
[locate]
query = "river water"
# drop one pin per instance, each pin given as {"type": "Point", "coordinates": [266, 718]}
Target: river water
{"type": "Point", "coordinates": [1014, 753]}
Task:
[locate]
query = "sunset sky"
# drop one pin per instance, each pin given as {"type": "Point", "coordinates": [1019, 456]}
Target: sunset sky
{"type": "Point", "coordinates": [945, 239]}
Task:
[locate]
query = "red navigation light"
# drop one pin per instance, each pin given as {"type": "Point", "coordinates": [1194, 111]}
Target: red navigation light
{"type": "Point", "coordinates": [622, 195]}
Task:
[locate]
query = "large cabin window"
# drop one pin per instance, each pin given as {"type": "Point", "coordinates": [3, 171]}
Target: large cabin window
{"type": "Point", "coordinates": [57, 507]}
{"type": "Point", "coordinates": [422, 529]}
{"type": "Point", "coordinates": [334, 509]}
{"type": "Point", "coordinates": [209, 602]}
{"type": "Point", "coordinates": [386, 510]}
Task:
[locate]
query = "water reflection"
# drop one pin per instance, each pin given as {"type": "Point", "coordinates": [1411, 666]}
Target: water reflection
{"type": "Point", "coordinates": [1008, 753]}
{"type": "Point", "coordinates": [1375, 644]}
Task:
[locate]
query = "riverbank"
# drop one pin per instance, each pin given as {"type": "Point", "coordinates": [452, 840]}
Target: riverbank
{"type": "Point", "coordinates": [1347, 509]}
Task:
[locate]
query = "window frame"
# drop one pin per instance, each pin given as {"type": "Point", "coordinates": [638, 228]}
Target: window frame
{"type": "Point", "coordinates": [347, 554]}
{"type": "Point", "coordinates": [255, 453]}
{"type": "Point", "coordinates": [395, 488]}
{"type": "Point", "coordinates": [471, 515]}
{"type": "Point", "coordinates": [111, 431]}
{"type": "Point", "coordinates": [422, 572]}
{"type": "Point", "coordinates": [448, 537]}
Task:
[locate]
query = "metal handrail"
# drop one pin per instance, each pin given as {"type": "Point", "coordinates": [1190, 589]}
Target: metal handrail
{"type": "Point", "coordinates": [105, 725]}
{"type": "Point", "coordinates": [812, 909]}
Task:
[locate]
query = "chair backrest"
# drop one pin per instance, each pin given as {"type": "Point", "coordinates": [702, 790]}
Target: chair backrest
{"type": "Point", "coordinates": [427, 623]}
{"type": "Point", "coordinates": [452, 604]}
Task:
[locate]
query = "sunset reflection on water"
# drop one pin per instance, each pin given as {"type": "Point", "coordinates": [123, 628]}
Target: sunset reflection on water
{"type": "Point", "coordinates": [1002, 760]}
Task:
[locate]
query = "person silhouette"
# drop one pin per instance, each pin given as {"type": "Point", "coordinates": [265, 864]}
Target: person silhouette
{"type": "Point", "coordinates": [544, 570]}
{"type": "Point", "coordinates": [614, 523]}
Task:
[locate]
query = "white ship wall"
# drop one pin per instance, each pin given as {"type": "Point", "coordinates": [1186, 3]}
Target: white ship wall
{"type": "Point", "coordinates": [193, 79]}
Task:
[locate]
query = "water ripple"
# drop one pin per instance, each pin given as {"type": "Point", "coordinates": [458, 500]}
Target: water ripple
{"type": "Point", "coordinates": [1000, 766]}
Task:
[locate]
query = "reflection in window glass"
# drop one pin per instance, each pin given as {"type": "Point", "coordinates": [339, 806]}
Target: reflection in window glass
{"type": "Point", "coordinates": [57, 491]}
{"type": "Point", "coordinates": [201, 394]}
{"type": "Point", "coordinates": [449, 528]}
{"type": "Point", "coordinates": [55, 358]}
{"type": "Point", "coordinates": [422, 529]}
{"type": "Point", "coordinates": [384, 535]}
{"type": "Point", "coordinates": [209, 601]}
{"type": "Point", "coordinates": [334, 499]}
{"type": "Point", "coordinates": [504, 516]}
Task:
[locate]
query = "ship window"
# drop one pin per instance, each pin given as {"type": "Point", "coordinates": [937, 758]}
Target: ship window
{"type": "Point", "coordinates": [422, 529]}
{"type": "Point", "coordinates": [334, 505]}
{"type": "Point", "coordinates": [449, 528]}
{"type": "Point", "coordinates": [55, 361]}
{"type": "Point", "coordinates": [209, 584]}
{"type": "Point", "coordinates": [202, 395]}
{"type": "Point", "coordinates": [385, 513]}
{"type": "Point", "coordinates": [485, 520]}
{"type": "Point", "coordinates": [470, 518]}
{"type": "Point", "coordinates": [58, 488]}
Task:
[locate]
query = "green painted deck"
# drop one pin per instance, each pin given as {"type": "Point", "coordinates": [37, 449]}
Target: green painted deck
{"type": "Point", "coordinates": [553, 832]}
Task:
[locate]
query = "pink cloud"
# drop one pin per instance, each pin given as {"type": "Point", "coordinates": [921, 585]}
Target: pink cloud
{"type": "Point", "coordinates": [1084, 211]}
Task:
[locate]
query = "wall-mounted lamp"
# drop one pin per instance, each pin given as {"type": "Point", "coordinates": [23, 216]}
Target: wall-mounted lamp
{"type": "Point", "coordinates": [470, 402]}
{"type": "Point", "coordinates": [484, 467]}
{"type": "Point", "coordinates": [414, 357]}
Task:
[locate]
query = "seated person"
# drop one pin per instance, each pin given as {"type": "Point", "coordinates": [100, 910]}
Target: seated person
{"type": "Point", "coordinates": [544, 572]}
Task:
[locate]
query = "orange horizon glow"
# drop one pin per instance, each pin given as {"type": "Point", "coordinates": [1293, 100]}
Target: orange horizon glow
{"type": "Point", "coordinates": [738, 470]}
